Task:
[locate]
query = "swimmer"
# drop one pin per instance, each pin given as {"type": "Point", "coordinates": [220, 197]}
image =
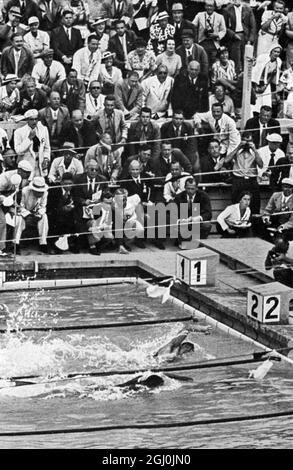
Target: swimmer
{"type": "Point", "coordinates": [4, 309]}
{"type": "Point", "coordinates": [180, 345]}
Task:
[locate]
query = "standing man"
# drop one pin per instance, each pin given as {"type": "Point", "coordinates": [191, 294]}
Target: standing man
{"type": "Point", "coordinates": [31, 143]}
{"type": "Point", "coordinates": [128, 94]}
{"type": "Point", "coordinates": [65, 39]}
{"type": "Point", "coordinates": [246, 160]}
{"type": "Point", "coordinates": [241, 30]}
{"type": "Point", "coordinates": [17, 59]}
{"type": "Point", "coordinates": [211, 29]}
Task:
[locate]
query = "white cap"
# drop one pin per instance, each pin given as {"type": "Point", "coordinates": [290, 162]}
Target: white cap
{"type": "Point", "coordinates": [25, 166]}
{"type": "Point", "coordinates": [31, 113]}
{"type": "Point", "coordinates": [288, 181]}
{"type": "Point", "coordinates": [274, 138]}
{"type": "Point", "coordinates": [33, 19]}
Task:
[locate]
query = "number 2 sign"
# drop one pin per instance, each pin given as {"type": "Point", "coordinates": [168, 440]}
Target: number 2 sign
{"type": "Point", "coordinates": [264, 308]}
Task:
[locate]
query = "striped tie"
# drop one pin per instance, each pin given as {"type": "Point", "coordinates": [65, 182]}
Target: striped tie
{"type": "Point", "coordinates": [47, 77]}
{"type": "Point", "coordinates": [217, 126]}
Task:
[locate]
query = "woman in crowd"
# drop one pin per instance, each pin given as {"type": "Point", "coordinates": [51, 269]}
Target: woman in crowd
{"type": "Point", "coordinates": [234, 221]}
{"type": "Point", "coordinates": [223, 70]}
{"type": "Point", "coordinates": [99, 28]}
{"type": "Point", "coordinates": [9, 95]}
{"type": "Point", "coordinates": [170, 59]}
{"type": "Point", "coordinates": [109, 74]}
{"type": "Point", "coordinates": [141, 60]}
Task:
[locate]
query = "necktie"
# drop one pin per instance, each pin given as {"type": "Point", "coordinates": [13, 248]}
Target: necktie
{"type": "Point", "coordinates": [272, 159]}
{"type": "Point", "coordinates": [189, 204]}
{"type": "Point", "coordinates": [54, 124]}
{"type": "Point", "coordinates": [119, 7]}
{"type": "Point", "coordinates": [217, 126]}
{"type": "Point", "coordinates": [91, 186]}
{"type": "Point", "coordinates": [34, 34]}
{"type": "Point", "coordinates": [96, 102]}
{"type": "Point", "coordinates": [68, 33]}
{"type": "Point", "coordinates": [36, 144]}
{"type": "Point", "coordinates": [263, 136]}
{"type": "Point", "coordinates": [128, 97]}
{"type": "Point", "coordinates": [16, 62]}
{"type": "Point", "coordinates": [47, 76]}
{"type": "Point", "coordinates": [91, 57]}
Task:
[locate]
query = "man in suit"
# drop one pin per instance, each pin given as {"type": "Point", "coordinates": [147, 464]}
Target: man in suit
{"type": "Point", "coordinates": [190, 91]}
{"type": "Point", "coordinates": [262, 125]}
{"type": "Point", "coordinates": [79, 131]}
{"type": "Point", "coordinates": [181, 131]}
{"type": "Point", "coordinates": [31, 143]}
{"type": "Point", "coordinates": [180, 23]}
{"type": "Point", "coordinates": [241, 30]}
{"type": "Point", "coordinates": [211, 29]}
{"type": "Point", "coordinates": [281, 201]}
{"type": "Point", "coordinates": [128, 94]}
{"type": "Point", "coordinates": [31, 97]}
{"type": "Point", "coordinates": [144, 158]}
{"type": "Point", "coordinates": [189, 51]}
{"type": "Point", "coordinates": [50, 14]}
{"type": "Point", "coordinates": [66, 40]}
{"type": "Point", "coordinates": [143, 130]}
{"type": "Point", "coordinates": [121, 44]}
{"type": "Point", "coordinates": [112, 121]}
{"type": "Point", "coordinates": [117, 9]}
{"type": "Point", "coordinates": [135, 183]}
{"type": "Point", "coordinates": [108, 160]}
{"type": "Point", "coordinates": [54, 116]}
{"type": "Point", "coordinates": [11, 27]}
{"type": "Point", "coordinates": [198, 210]}
{"type": "Point", "coordinates": [211, 164]}
{"type": "Point", "coordinates": [17, 59]}
{"type": "Point", "coordinates": [157, 92]}
{"type": "Point", "coordinates": [221, 125]}
{"type": "Point", "coordinates": [87, 192]}
{"type": "Point", "coordinates": [72, 91]}
{"type": "Point", "coordinates": [28, 8]}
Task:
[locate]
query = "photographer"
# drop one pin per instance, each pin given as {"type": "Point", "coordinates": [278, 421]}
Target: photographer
{"type": "Point", "coordinates": [278, 260]}
{"type": "Point", "coordinates": [245, 159]}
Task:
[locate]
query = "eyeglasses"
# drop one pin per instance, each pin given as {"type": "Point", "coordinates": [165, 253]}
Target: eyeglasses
{"type": "Point", "coordinates": [95, 88]}
{"type": "Point", "coordinates": [162, 73]}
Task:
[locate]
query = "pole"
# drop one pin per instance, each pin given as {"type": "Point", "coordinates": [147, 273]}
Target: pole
{"type": "Point", "coordinates": [246, 90]}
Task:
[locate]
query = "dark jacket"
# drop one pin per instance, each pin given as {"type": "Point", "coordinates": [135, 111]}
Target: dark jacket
{"type": "Point", "coordinates": [81, 193]}
{"type": "Point", "coordinates": [189, 97]}
{"type": "Point", "coordinates": [30, 8]}
{"type": "Point", "coordinates": [253, 123]}
{"type": "Point", "coordinates": [187, 146]}
{"type": "Point", "coordinates": [86, 138]}
{"type": "Point", "coordinates": [198, 54]}
{"type": "Point", "coordinates": [185, 24]}
{"type": "Point", "coordinates": [143, 189]}
{"type": "Point", "coordinates": [116, 46]}
{"type": "Point", "coordinates": [25, 64]}
{"type": "Point", "coordinates": [200, 198]}
{"type": "Point", "coordinates": [248, 23]}
{"type": "Point", "coordinates": [134, 135]}
{"type": "Point", "coordinates": [38, 102]}
{"type": "Point", "coordinates": [73, 99]}
{"type": "Point", "coordinates": [61, 44]}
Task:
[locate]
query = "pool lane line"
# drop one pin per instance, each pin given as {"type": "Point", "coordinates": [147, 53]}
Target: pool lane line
{"type": "Point", "coordinates": [178, 424]}
{"type": "Point", "coordinates": [107, 373]}
{"type": "Point", "coordinates": [100, 326]}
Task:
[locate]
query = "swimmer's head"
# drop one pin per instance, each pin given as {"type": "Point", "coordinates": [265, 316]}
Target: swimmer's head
{"type": "Point", "coordinates": [186, 347]}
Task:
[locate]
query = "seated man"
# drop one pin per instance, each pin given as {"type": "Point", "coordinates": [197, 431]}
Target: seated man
{"type": "Point", "coordinates": [79, 131]}
{"type": "Point", "coordinates": [280, 202]}
{"type": "Point", "coordinates": [60, 210]}
{"type": "Point", "coordinates": [94, 100]}
{"type": "Point", "coordinates": [8, 188]}
{"type": "Point", "coordinates": [135, 183]}
{"type": "Point", "coordinates": [128, 95]}
{"type": "Point", "coordinates": [72, 91]}
{"type": "Point", "coordinates": [278, 259]}
{"type": "Point", "coordinates": [31, 97]}
{"type": "Point", "coordinates": [271, 155]}
{"type": "Point", "coordinates": [196, 204]}
{"type": "Point", "coordinates": [32, 211]}
{"type": "Point", "coordinates": [284, 166]}
{"type": "Point", "coordinates": [108, 159]}
{"type": "Point", "coordinates": [182, 131]}
{"type": "Point", "coordinates": [87, 60]}
{"type": "Point", "coordinates": [127, 223]}
{"type": "Point", "coordinates": [54, 116]}
{"type": "Point", "coordinates": [157, 92]}
{"type": "Point", "coordinates": [220, 96]}
{"type": "Point", "coordinates": [65, 162]}
{"type": "Point", "coordinates": [175, 182]}
{"type": "Point", "coordinates": [262, 125]}
{"type": "Point", "coordinates": [86, 193]}
{"type": "Point", "coordinates": [143, 130]}
{"type": "Point", "coordinates": [102, 225]}
{"type": "Point", "coordinates": [212, 165]}
{"type": "Point", "coordinates": [47, 71]}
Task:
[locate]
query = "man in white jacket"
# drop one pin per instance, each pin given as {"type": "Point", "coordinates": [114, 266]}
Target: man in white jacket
{"type": "Point", "coordinates": [87, 60]}
{"type": "Point", "coordinates": [31, 143]}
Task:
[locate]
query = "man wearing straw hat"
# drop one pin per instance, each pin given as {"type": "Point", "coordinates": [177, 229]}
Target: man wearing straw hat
{"type": "Point", "coordinates": [32, 211]}
{"type": "Point", "coordinates": [31, 143]}
{"type": "Point", "coordinates": [8, 188]}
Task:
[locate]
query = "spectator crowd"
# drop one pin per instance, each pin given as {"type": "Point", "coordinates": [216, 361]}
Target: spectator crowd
{"type": "Point", "coordinates": [116, 111]}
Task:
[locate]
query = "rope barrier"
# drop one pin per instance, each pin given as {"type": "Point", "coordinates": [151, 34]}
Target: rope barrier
{"type": "Point", "coordinates": [101, 325]}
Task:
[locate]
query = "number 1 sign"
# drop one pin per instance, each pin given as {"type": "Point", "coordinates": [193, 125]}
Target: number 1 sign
{"type": "Point", "coordinates": [197, 267]}
{"type": "Point", "coordinates": [269, 303]}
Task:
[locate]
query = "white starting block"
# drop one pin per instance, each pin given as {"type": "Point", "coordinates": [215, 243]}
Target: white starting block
{"type": "Point", "coordinates": [269, 303]}
{"type": "Point", "coordinates": [197, 267]}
